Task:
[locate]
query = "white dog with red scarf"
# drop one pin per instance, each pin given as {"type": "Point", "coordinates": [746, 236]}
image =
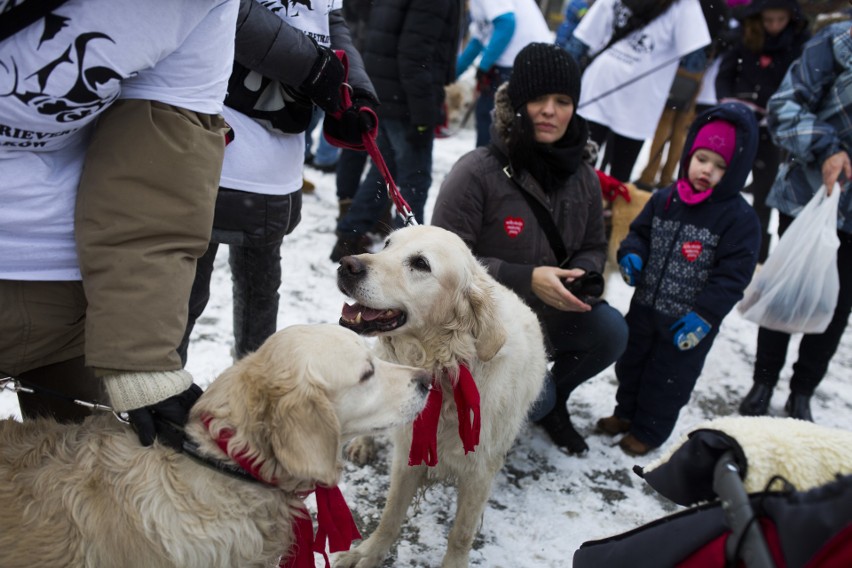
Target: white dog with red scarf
{"type": "Point", "coordinates": [433, 305]}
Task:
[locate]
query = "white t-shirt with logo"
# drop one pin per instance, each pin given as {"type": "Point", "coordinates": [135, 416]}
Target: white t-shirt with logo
{"type": "Point", "coordinates": [633, 109]}
{"type": "Point", "coordinates": [58, 74]}
{"type": "Point", "coordinates": [530, 25]}
{"type": "Point", "coordinates": [267, 161]}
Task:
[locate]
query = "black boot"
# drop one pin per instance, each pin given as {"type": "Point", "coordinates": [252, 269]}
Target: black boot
{"type": "Point", "coordinates": [799, 406]}
{"type": "Point", "coordinates": [558, 426]}
{"type": "Point", "coordinates": [756, 402]}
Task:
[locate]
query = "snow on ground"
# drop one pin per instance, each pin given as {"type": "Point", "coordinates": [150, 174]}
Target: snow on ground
{"type": "Point", "coordinates": [544, 503]}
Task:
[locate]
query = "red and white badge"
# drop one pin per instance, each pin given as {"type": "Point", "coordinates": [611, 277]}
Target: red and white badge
{"type": "Point", "coordinates": [513, 226]}
{"type": "Point", "coordinates": [691, 250]}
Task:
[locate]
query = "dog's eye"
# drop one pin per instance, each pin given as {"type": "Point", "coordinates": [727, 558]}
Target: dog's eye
{"type": "Point", "coordinates": [419, 263]}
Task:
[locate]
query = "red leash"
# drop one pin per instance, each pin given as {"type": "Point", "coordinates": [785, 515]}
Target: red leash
{"type": "Point", "coordinates": [369, 144]}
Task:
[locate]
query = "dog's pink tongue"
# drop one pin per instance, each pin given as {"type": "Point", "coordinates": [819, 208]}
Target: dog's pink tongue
{"type": "Point", "coordinates": [351, 311]}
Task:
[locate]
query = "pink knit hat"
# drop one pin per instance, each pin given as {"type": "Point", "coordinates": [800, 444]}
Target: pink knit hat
{"type": "Point", "coordinates": [719, 136]}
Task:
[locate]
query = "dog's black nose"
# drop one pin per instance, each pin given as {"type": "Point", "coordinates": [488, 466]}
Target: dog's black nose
{"type": "Point", "coordinates": [350, 266]}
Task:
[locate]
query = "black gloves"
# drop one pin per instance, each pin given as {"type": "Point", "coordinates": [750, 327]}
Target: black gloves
{"type": "Point", "coordinates": [322, 85]}
{"type": "Point", "coordinates": [347, 131]}
{"type": "Point", "coordinates": [164, 420]}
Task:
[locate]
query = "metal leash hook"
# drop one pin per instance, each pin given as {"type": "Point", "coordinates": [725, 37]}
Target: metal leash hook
{"type": "Point", "coordinates": [402, 207]}
{"type": "Point", "coordinates": [14, 385]}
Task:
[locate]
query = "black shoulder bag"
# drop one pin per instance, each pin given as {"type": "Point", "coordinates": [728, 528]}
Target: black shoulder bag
{"type": "Point", "coordinates": [591, 284]}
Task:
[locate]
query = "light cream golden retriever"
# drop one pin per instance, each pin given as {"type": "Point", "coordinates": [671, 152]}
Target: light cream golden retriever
{"type": "Point", "coordinates": [433, 305]}
{"type": "Point", "coordinates": [90, 495]}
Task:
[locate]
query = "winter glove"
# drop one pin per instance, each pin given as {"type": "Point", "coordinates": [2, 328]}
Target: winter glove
{"type": "Point", "coordinates": [630, 266]}
{"type": "Point", "coordinates": [689, 331]}
{"type": "Point", "coordinates": [323, 83]}
{"type": "Point", "coordinates": [483, 80]}
{"type": "Point", "coordinates": [157, 403]}
{"type": "Point", "coordinates": [360, 118]}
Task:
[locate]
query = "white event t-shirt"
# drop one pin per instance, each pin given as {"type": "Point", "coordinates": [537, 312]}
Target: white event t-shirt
{"type": "Point", "coordinates": [530, 25]}
{"type": "Point", "coordinates": [58, 74]}
{"type": "Point", "coordinates": [268, 161]}
{"type": "Point", "coordinates": [616, 90]}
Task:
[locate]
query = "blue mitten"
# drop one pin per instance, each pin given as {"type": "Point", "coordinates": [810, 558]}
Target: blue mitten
{"type": "Point", "coordinates": [630, 266]}
{"type": "Point", "coordinates": [689, 331]}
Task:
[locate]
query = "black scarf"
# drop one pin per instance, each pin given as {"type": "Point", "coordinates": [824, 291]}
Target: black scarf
{"type": "Point", "coordinates": [549, 164]}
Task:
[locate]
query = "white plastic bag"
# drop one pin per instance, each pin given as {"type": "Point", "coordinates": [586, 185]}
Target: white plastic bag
{"type": "Point", "coordinates": [797, 288]}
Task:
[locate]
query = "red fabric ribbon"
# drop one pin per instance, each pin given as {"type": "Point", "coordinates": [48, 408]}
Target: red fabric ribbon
{"type": "Point", "coordinates": [612, 188]}
{"type": "Point", "coordinates": [424, 441]}
{"type": "Point", "coordinates": [335, 524]}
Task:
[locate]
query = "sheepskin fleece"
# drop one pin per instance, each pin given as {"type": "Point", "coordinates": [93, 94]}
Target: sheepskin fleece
{"type": "Point", "coordinates": [805, 454]}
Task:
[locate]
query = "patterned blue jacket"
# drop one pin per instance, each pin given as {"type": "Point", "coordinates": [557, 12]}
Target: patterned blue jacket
{"type": "Point", "coordinates": [811, 116]}
{"type": "Point", "coordinates": [699, 257]}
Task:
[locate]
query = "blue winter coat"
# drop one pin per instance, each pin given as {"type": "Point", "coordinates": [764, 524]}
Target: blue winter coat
{"type": "Point", "coordinates": [699, 257]}
{"type": "Point", "coordinates": [811, 116]}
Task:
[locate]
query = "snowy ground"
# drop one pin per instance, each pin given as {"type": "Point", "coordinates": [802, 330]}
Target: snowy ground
{"type": "Point", "coordinates": [544, 503]}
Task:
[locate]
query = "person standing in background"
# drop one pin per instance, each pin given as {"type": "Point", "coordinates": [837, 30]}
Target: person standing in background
{"type": "Point", "coordinates": [290, 51]}
{"type": "Point", "coordinates": [809, 116]}
{"type": "Point", "coordinates": [499, 29]}
{"type": "Point", "coordinates": [773, 33]}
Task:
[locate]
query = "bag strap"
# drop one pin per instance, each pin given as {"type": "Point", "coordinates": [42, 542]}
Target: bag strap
{"type": "Point", "coordinates": [22, 15]}
{"type": "Point", "coordinates": [638, 22]}
{"type": "Point", "coordinates": [545, 220]}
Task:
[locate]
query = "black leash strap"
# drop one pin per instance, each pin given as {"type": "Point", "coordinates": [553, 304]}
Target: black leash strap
{"type": "Point", "coordinates": [545, 220]}
{"type": "Point", "coordinates": [17, 18]}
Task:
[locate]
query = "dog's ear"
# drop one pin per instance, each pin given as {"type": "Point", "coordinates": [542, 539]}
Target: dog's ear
{"type": "Point", "coordinates": [488, 331]}
{"type": "Point", "coordinates": [305, 435]}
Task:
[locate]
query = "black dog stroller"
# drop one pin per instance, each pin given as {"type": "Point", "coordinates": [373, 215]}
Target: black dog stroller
{"type": "Point", "coordinates": [779, 527]}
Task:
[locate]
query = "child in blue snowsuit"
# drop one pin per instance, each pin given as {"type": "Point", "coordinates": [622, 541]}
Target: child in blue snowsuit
{"type": "Point", "coordinates": [690, 253]}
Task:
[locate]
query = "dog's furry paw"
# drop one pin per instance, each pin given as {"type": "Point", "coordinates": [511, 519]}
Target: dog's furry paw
{"type": "Point", "coordinates": [361, 450]}
{"type": "Point", "coordinates": [354, 559]}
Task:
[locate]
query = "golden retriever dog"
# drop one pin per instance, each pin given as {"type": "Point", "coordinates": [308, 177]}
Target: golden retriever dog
{"type": "Point", "coordinates": [433, 305]}
{"type": "Point", "coordinates": [622, 213]}
{"type": "Point", "coordinates": [89, 495]}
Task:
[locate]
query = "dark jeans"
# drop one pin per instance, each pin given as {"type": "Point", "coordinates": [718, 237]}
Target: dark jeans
{"type": "Point", "coordinates": [253, 226]}
{"type": "Point", "coordinates": [815, 349]}
{"type": "Point", "coordinates": [763, 175]}
{"type": "Point", "coordinates": [255, 277]}
{"type": "Point", "coordinates": [620, 152]}
{"type": "Point", "coordinates": [350, 169]}
{"type": "Point", "coordinates": [581, 345]}
{"type": "Point", "coordinates": [409, 159]}
{"type": "Point", "coordinates": [655, 378]}
{"type": "Point", "coordinates": [485, 104]}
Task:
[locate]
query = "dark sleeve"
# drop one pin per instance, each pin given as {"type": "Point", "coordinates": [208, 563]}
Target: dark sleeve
{"type": "Point", "coordinates": [591, 256]}
{"type": "Point", "coordinates": [267, 44]}
{"type": "Point", "coordinates": [341, 38]}
{"type": "Point", "coordinates": [726, 79]}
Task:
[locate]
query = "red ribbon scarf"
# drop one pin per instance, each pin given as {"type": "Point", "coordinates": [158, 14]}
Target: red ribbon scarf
{"type": "Point", "coordinates": [424, 441]}
{"type": "Point", "coordinates": [335, 524]}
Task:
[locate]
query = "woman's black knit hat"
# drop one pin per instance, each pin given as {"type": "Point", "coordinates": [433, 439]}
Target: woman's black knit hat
{"type": "Point", "coordinates": [543, 69]}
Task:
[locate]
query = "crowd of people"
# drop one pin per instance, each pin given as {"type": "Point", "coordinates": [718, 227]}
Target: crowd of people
{"type": "Point", "coordinates": [131, 150]}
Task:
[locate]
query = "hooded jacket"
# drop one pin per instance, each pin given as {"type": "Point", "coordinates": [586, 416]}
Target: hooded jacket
{"type": "Point", "coordinates": [481, 204]}
{"type": "Point", "coordinates": [755, 76]}
{"type": "Point", "coordinates": [699, 257]}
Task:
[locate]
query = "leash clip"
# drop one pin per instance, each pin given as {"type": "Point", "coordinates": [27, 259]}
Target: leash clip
{"type": "Point", "coordinates": [15, 385]}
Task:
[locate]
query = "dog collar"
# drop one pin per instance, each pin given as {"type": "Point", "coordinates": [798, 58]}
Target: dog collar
{"type": "Point", "coordinates": [335, 524]}
{"type": "Point", "coordinates": [424, 440]}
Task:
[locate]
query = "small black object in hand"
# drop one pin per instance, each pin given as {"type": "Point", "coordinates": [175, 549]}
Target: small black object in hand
{"type": "Point", "coordinates": [589, 285]}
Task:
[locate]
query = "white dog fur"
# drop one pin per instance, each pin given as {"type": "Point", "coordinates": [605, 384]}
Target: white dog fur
{"type": "Point", "coordinates": [805, 454]}
{"type": "Point", "coordinates": [89, 495]}
{"type": "Point", "coordinates": [454, 313]}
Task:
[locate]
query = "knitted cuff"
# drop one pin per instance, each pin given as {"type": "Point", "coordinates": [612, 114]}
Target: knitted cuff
{"type": "Point", "coordinates": [128, 391]}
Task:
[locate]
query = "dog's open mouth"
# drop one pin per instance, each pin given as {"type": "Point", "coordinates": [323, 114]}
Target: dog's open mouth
{"type": "Point", "coordinates": [362, 319]}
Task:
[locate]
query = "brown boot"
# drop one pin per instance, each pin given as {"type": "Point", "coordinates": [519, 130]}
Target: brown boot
{"type": "Point", "coordinates": [633, 446]}
{"type": "Point", "coordinates": [613, 425]}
